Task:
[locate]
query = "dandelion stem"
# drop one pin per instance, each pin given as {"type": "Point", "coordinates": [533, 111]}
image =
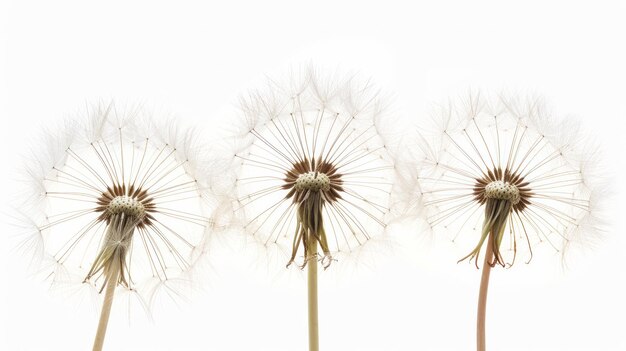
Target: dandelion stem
{"type": "Point", "coordinates": [312, 295]}
{"type": "Point", "coordinates": [112, 273]}
{"type": "Point", "coordinates": [482, 297]}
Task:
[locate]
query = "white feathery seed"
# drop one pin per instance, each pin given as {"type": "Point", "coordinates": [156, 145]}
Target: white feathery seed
{"type": "Point", "coordinates": [482, 150]}
{"type": "Point", "coordinates": [117, 176]}
{"type": "Point", "coordinates": [315, 143]}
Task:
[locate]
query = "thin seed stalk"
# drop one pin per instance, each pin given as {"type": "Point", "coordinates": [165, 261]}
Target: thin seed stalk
{"type": "Point", "coordinates": [110, 261]}
{"type": "Point", "coordinates": [312, 298]}
{"type": "Point", "coordinates": [310, 232]}
{"type": "Point", "coordinates": [496, 215]}
{"type": "Point", "coordinates": [112, 276]}
{"type": "Point", "coordinates": [482, 298]}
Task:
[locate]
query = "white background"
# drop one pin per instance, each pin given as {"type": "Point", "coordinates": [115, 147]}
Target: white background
{"type": "Point", "coordinates": [195, 58]}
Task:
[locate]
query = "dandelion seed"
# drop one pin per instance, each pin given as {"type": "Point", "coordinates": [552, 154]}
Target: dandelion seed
{"type": "Point", "coordinates": [314, 172]}
{"type": "Point", "coordinates": [508, 174]}
{"type": "Point", "coordinates": [121, 201]}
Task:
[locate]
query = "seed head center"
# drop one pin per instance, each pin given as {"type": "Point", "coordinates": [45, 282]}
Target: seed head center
{"type": "Point", "coordinates": [126, 205]}
{"type": "Point", "coordinates": [314, 181]}
{"type": "Point", "coordinates": [502, 191]}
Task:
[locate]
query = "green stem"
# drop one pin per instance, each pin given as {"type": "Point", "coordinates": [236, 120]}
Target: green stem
{"type": "Point", "coordinates": [312, 295]}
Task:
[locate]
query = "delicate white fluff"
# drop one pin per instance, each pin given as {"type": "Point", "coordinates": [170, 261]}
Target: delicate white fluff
{"type": "Point", "coordinates": [110, 144]}
{"type": "Point", "coordinates": [472, 136]}
{"type": "Point", "coordinates": [311, 115]}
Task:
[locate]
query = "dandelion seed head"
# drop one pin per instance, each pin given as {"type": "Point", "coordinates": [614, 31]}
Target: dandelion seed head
{"type": "Point", "coordinates": [126, 205]}
{"type": "Point", "coordinates": [312, 164]}
{"type": "Point", "coordinates": [118, 185]}
{"type": "Point", "coordinates": [504, 168]}
{"type": "Point", "coordinates": [313, 181]}
{"type": "Point", "coordinates": [502, 191]}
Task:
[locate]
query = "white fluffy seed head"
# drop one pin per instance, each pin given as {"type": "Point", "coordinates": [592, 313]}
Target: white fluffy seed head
{"type": "Point", "coordinates": [313, 181]}
{"type": "Point", "coordinates": [127, 205]}
{"type": "Point", "coordinates": [502, 191]}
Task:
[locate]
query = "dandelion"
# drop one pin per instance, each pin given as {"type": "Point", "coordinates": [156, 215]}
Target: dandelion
{"type": "Point", "coordinates": [509, 174]}
{"type": "Point", "coordinates": [118, 203]}
{"type": "Point", "coordinates": [313, 173]}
